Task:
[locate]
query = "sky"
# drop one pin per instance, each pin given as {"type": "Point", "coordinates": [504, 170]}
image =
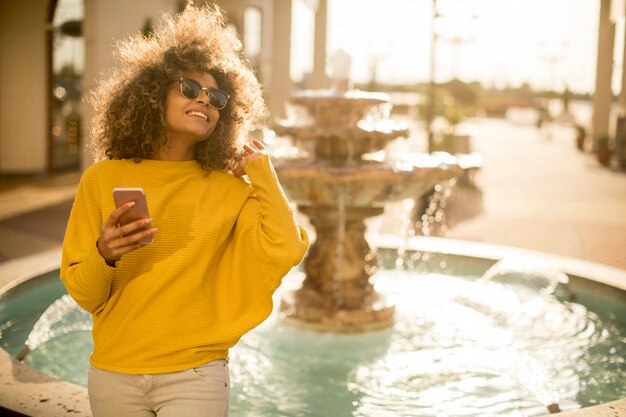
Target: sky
{"type": "Point", "coordinates": [549, 44]}
{"type": "Point", "coordinates": [546, 43]}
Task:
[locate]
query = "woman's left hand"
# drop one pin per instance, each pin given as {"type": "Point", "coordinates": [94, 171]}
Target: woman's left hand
{"type": "Point", "coordinates": [250, 154]}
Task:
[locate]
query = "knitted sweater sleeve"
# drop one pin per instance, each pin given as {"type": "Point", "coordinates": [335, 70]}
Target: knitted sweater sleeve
{"type": "Point", "coordinates": [84, 272]}
{"type": "Point", "coordinates": [268, 225]}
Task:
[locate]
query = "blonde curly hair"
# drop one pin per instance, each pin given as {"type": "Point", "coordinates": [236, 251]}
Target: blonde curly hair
{"type": "Point", "coordinates": [129, 103]}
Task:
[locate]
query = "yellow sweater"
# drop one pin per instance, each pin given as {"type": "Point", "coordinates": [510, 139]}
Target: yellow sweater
{"type": "Point", "coordinates": [222, 248]}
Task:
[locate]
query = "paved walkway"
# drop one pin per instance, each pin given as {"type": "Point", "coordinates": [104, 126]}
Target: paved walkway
{"type": "Point", "coordinates": [33, 214]}
{"type": "Point", "coordinates": [535, 191]}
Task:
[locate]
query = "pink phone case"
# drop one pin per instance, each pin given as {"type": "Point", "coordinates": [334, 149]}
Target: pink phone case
{"type": "Point", "coordinates": [138, 211]}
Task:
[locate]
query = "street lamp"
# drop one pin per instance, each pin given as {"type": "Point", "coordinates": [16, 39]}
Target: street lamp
{"type": "Point", "coordinates": [72, 28]}
{"type": "Point", "coordinates": [554, 55]}
{"type": "Point", "coordinates": [447, 27]}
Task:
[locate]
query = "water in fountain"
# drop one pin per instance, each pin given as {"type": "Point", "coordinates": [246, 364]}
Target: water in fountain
{"type": "Point", "coordinates": [522, 283]}
{"type": "Point", "coordinates": [494, 343]}
{"type": "Point", "coordinates": [537, 275]}
{"type": "Point", "coordinates": [462, 346]}
{"type": "Point", "coordinates": [61, 317]}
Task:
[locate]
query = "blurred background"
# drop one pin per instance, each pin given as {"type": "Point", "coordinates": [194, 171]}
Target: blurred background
{"type": "Point", "coordinates": [483, 57]}
{"type": "Point", "coordinates": [534, 87]}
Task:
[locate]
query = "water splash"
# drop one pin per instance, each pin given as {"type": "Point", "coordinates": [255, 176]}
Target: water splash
{"type": "Point", "coordinates": [433, 220]}
{"type": "Point", "coordinates": [532, 374]}
{"type": "Point", "coordinates": [62, 317]}
{"type": "Point", "coordinates": [406, 231]}
{"type": "Point", "coordinates": [338, 278]}
{"type": "Point", "coordinates": [527, 274]}
{"type": "Point", "coordinates": [517, 292]}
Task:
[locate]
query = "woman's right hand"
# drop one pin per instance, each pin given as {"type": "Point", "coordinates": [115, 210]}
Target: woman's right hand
{"type": "Point", "coordinates": [116, 240]}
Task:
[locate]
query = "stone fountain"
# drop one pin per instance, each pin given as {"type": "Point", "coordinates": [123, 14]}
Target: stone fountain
{"type": "Point", "coordinates": [341, 176]}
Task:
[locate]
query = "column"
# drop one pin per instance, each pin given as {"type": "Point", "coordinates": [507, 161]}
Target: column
{"type": "Point", "coordinates": [279, 89]}
{"type": "Point", "coordinates": [619, 150]}
{"type": "Point", "coordinates": [319, 79]}
{"type": "Point", "coordinates": [622, 95]}
{"type": "Point", "coordinates": [105, 22]}
{"type": "Point", "coordinates": [23, 87]}
{"type": "Point", "coordinates": [602, 96]}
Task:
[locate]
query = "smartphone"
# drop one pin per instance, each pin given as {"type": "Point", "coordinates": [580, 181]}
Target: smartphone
{"type": "Point", "coordinates": [122, 196]}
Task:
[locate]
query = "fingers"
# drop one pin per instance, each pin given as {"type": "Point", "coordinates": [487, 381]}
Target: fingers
{"type": "Point", "coordinates": [130, 229]}
{"type": "Point", "coordinates": [250, 150]}
{"type": "Point", "coordinates": [111, 229]}
{"type": "Point", "coordinates": [258, 144]}
{"type": "Point", "coordinates": [117, 246]}
{"type": "Point", "coordinates": [131, 233]}
{"type": "Point", "coordinates": [249, 154]}
{"type": "Point", "coordinates": [114, 254]}
{"type": "Point", "coordinates": [116, 240]}
{"type": "Point", "coordinates": [114, 218]}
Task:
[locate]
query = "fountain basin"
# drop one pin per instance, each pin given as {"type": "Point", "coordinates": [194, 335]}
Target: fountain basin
{"type": "Point", "coordinates": [330, 108]}
{"type": "Point", "coordinates": [338, 294]}
{"type": "Point", "coordinates": [342, 143]}
{"type": "Point", "coordinates": [29, 392]}
{"type": "Point", "coordinates": [24, 389]}
{"type": "Point", "coordinates": [319, 184]}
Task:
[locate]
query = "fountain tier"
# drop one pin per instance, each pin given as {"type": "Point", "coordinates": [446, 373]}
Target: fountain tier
{"type": "Point", "coordinates": [338, 188]}
{"type": "Point", "coordinates": [341, 128]}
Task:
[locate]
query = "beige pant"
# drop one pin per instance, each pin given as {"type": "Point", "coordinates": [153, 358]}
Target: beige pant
{"type": "Point", "coordinates": [197, 392]}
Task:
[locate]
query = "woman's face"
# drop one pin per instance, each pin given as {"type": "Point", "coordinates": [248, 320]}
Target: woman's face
{"type": "Point", "coordinates": [190, 120]}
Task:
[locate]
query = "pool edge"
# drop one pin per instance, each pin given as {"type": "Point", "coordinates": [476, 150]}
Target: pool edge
{"type": "Point", "coordinates": [24, 389]}
{"type": "Point", "coordinates": [599, 273]}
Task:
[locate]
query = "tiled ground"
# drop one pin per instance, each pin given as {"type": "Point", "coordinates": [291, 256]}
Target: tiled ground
{"type": "Point", "coordinates": [545, 195]}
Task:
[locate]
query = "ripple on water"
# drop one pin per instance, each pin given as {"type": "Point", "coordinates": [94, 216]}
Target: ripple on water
{"type": "Point", "coordinates": [458, 347]}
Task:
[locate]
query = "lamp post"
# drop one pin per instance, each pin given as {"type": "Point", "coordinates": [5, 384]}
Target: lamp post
{"type": "Point", "coordinates": [430, 113]}
{"type": "Point", "coordinates": [453, 36]}
{"type": "Point", "coordinates": [554, 55]}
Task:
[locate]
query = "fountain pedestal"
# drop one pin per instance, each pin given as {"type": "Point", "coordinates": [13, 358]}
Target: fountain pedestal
{"type": "Point", "coordinates": [337, 293]}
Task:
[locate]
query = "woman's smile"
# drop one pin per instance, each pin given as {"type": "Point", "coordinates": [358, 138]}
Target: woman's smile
{"type": "Point", "coordinates": [198, 113]}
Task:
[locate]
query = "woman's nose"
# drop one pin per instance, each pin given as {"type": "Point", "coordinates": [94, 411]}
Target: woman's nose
{"type": "Point", "coordinates": [203, 97]}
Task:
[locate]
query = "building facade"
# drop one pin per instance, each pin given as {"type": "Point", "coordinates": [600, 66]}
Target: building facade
{"type": "Point", "coordinates": [44, 123]}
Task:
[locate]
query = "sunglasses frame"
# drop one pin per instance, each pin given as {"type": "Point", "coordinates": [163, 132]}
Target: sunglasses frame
{"type": "Point", "coordinates": [208, 91]}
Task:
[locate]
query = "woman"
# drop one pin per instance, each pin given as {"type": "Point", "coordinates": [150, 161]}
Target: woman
{"type": "Point", "coordinates": [169, 119]}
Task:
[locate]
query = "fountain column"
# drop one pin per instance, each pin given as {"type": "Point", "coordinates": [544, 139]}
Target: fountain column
{"type": "Point", "coordinates": [337, 292]}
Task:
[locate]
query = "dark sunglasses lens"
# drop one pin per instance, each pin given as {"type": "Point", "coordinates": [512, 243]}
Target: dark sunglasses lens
{"type": "Point", "coordinates": [190, 89]}
{"type": "Point", "coordinates": [218, 99]}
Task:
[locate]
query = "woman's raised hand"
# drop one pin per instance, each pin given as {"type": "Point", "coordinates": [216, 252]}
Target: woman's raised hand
{"type": "Point", "coordinates": [250, 154]}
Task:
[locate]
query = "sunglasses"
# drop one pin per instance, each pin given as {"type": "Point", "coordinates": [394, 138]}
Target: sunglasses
{"type": "Point", "coordinates": [192, 89]}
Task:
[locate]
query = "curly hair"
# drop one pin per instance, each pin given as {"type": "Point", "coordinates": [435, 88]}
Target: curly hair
{"type": "Point", "coordinates": [129, 103]}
